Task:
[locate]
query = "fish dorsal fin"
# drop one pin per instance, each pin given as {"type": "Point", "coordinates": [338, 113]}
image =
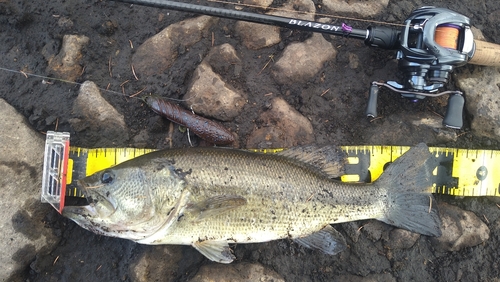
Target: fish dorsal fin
{"type": "Point", "coordinates": [217, 205]}
{"type": "Point", "coordinates": [328, 240]}
{"type": "Point", "coordinates": [329, 159]}
{"type": "Point", "coordinates": [217, 251]}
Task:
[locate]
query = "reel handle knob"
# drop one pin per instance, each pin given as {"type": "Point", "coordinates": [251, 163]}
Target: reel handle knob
{"type": "Point", "coordinates": [371, 108]}
{"type": "Point", "coordinates": [453, 117]}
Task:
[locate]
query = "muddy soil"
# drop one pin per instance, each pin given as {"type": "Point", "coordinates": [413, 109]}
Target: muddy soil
{"type": "Point", "coordinates": [32, 30]}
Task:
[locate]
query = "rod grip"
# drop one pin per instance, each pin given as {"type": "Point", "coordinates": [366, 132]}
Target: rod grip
{"type": "Point", "coordinates": [453, 117]}
{"type": "Point", "coordinates": [486, 54]}
{"type": "Point", "coordinates": [383, 37]}
{"type": "Point", "coordinates": [371, 108]}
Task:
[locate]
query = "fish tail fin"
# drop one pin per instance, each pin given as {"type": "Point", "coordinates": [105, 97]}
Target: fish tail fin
{"type": "Point", "coordinates": [408, 182]}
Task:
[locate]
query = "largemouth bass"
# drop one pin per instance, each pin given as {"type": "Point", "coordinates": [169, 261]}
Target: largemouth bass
{"type": "Point", "coordinates": [211, 197]}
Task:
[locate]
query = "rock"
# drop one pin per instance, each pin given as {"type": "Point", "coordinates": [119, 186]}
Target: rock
{"type": "Point", "coordinates": [446, 135]}
{"type": "Point", "coordinates": [480, 85]}
{"type": "Point", "coordinates": [210, 96]}
{"type": "Point", "coordinates": [353, 61]}
{"type": "Point", "coordinates": [92, 111]}
{"type": "Point", "coordinates": [461, 229]}
{"type": "Point", "coordinates": [24, 234]}
{"type": "Point", "coordinates": [66, 64]}
{"type": "Point", "coordinates": [375, 230]}
{"type": "Point", "coordinates": [156, 262]}
{"type": "Point", "coordinates": [65, 22]}
{"type": "Point", "coordinates": [361, 9]}
{"type": "Point", "coordinates": [401, 239]}
{"type": "Point", "coordinates": [159, 52]}
{"type": "Point", "coordinates": [223, 59]}
{"type": "Point", "coordinates": [107, 28]}
{"type": "Point", "coordinates": [243, 271]}
{"type": "Point", "coordinates": [283, 127]}
{"type": "Point", "coordinates": [260, 3]}
{"type": "Point", "coordinates": [287, 67]}
{"type": "Point", "coordinates": [257, 36]}
{"type": "Point", "coordinates": [297, 9]}
{"type": "Point", "coordinates": [409, 129]}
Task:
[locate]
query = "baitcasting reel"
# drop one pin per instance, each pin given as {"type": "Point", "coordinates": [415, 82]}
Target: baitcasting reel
{"type": "Point", "coordinates": [432, 43]}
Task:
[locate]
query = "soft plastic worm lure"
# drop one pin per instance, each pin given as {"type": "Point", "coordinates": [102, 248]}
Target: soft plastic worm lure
{"type": "Point", "coordinates": [206, 129]}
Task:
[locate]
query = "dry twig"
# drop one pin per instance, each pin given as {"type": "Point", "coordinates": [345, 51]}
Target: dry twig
{"type": "Point", "coordinates": [324, 92]}
{"type": "Point", "coordinates": [271, 59]}
{"type": "Point", "coordinates": [137, 93]}
{"type": "Point", "coordinates": [133, 71]}
{"type": "Point", "coordinates": [109, 67]}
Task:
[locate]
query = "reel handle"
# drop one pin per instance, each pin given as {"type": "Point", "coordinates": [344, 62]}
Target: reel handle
{"type": "Point", "coordinates": [371, 108]}
{"type": "Point", "coordinates": [485, 54]}
{"type": "Point", "coordinates": [453, 117]}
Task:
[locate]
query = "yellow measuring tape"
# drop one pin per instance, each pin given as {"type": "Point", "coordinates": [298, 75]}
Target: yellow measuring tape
{"type": "Point", "coordinates": [461, 172]}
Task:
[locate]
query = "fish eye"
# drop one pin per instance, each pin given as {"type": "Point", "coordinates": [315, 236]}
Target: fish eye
{"type": "Point", "coordinates": [107, 177]}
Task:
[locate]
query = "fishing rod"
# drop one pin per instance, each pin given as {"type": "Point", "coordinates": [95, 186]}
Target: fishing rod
{"type": "Point", "coordinates": [430, 44]}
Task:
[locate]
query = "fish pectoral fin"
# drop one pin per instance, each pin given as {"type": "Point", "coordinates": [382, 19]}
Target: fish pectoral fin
{"type": "Point", "coordinates": [217, 251]}
{"type": "Point", "coordinates": [217, 205]}
{"type": "Point", "coordinates": [331, 160]}
{"type": "Point", "coordinates": [328, 240]}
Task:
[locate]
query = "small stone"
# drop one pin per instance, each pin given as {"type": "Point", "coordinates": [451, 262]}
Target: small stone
{"type": "Point", "coordinates": [481, 87]}
{"type": "Point", "coordinates": [299, 54]}
{"type": "Point", "coordinates": [257, 36]}
{"type": "Point", "coordinates": [65, 22]}
{"type": "Point", "coordinates": [461, 229]}
{"type": "Point", "coordinates": [353, 61]}
{"type": "Point", "coordinates": [361, 9]}
{"type": "Point", "coordinates": [243, 271]}
{"type": "Point", "coordinates": [297, 9]}
{"type": "Point", "coordinates": [210, 96]}
{"type": "Point", "coordinates": [92, 111]}
{"type": "Point", "coordinates": [108, 28]}
{"type": "Point", "coordinates": [401, 239]}
{"type": "Point", "coordinates": [66, 64]}
{"type": "Point", "coordinates": [156, 263]}
{"type": "Point", "coordinates": [222, 58]}
{"type": "Point", "coordinates": [50, 120]}
{"type": "Point", "coordinates": [446, 135]}
{"type": "Point", "coordinates": [375, 230]}
{"type": "Point", "coordinates": [282, 127]}
{"type": "Point", "coordinates": [260, 3]}
{"type": "Point", "coordinates": [159, 52]}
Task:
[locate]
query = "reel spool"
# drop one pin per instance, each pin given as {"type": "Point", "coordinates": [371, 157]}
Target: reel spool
{"type": "Point", "coordinates": [446, 36]}
{"type": "Point", "coordinates": [432, 43]}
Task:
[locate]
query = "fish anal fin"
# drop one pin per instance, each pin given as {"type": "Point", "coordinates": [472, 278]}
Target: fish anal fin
{"type": "Point", "coordinates": [328, 240]}
{"type": "Point", "coordinates": [331, 160]}
{"type": "Point", "coordinates": [217, 205]}
{"type": "Point", "coordinates": [217, 251]}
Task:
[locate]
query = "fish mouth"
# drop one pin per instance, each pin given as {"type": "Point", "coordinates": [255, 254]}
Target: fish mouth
{"type": "Point", "coordinates": [94, 204]}
{"type": "Point", "coordinates": [77, 212]}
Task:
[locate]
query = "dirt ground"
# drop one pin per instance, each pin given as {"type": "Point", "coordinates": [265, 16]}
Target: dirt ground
{"type": "Point", "coordinates": [31, 30]}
